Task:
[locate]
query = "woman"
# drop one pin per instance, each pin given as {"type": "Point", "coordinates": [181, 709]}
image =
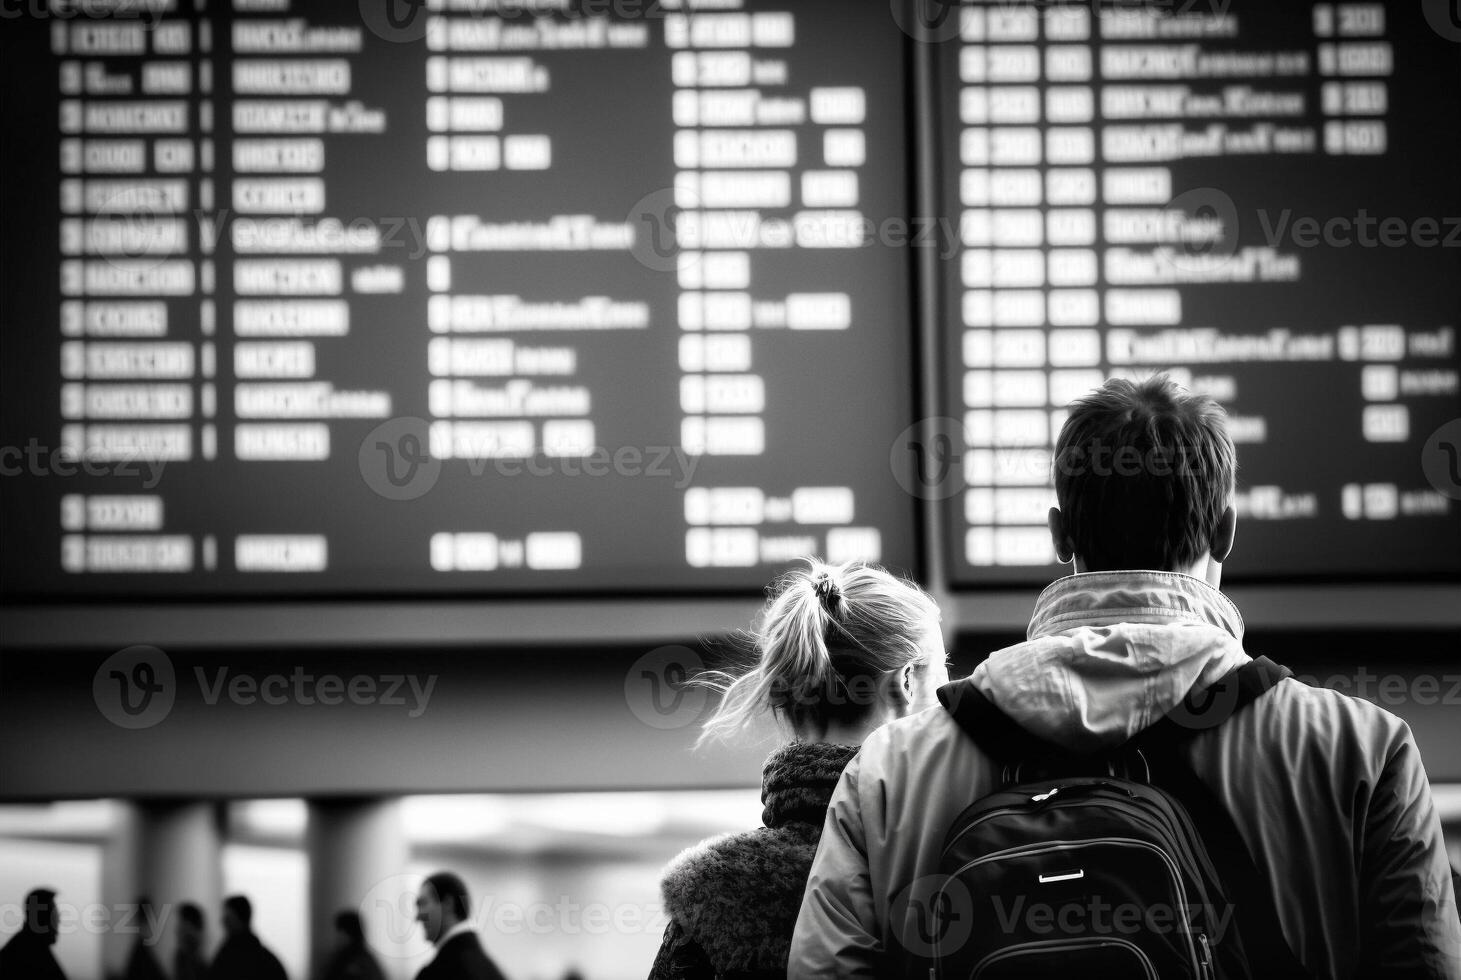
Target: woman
{"type": "Point", "coordinates": [840, 650]}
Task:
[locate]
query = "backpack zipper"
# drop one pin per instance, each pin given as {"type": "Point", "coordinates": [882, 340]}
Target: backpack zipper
{"type": "Point", "coordinates": [1172, 871]}
{"type": "Point", "coordinates": [1024, 804]}
{"type": "Point", "coordinates": [1069, 944]}
{"type": "Point", "coordinates": [1150, 813]}
{"type": "Point", "coordinates": [1206, 961]}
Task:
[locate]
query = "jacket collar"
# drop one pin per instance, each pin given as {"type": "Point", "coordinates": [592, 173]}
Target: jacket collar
{"type": "Point", "coordinates": [1131, 596]}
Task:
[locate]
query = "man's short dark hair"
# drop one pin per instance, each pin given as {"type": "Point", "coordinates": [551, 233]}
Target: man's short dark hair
{"type": "Point", "coordinates": [451, 891]}
{"type": "Point", "coordinates": [348, 922]}
{"type": "Point", "coordinates": [40, 911]}
{"type": "Point", "coordinates": [1143, 473]}
{"type": "Point", "coordinates": [241, 907]}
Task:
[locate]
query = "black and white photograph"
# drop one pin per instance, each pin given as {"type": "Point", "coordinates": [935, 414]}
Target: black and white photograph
{"type": "Point", "coordinates": [730, 489]}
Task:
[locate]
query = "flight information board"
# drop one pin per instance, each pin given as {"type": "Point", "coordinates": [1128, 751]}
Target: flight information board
{"type": "Point", "coordinates": [1262, 198]}
{"type": "Point", "coordinates": [459, 296]}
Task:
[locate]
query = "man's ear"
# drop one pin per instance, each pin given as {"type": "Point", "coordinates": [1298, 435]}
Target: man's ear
{"type": "Point", "coordinates": [1222, 537]}
{"type": "Point", "coordinates": [1064, 546]}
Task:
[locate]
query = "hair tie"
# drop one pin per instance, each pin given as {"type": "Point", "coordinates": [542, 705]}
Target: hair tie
{"type": "Point", "coordinates": [827, 591]}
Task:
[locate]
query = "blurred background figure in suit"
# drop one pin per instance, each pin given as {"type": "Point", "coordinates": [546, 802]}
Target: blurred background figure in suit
{"type": "Point", "coordinates": [28, 953]}
{"type": "Point", "coordinates": [142, 962]}
{"type": "Point", "coordinates": [189, 962]}
{"type": "Point", "coordinates": [443, 909]}
{"type": "Point", "coordinates": [242, 956]}
{"type": "Point", "coordinates": [351, 960]}
{"type": "Point", "coordinates": [840, 650]}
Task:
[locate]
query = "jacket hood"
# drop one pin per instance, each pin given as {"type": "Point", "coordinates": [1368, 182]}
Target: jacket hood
{"type": "Point", "coordinates": [1109, 653]}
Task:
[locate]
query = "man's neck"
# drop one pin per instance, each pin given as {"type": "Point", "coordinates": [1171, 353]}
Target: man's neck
{"type": "Point", "coordinates": [1205, 569]}
{"type": "Point", "coordinates": [451, 931]}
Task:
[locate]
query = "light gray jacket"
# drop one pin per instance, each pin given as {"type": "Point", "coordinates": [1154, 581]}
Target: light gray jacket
{"type": "Point", "coordinates": [1327, 791]}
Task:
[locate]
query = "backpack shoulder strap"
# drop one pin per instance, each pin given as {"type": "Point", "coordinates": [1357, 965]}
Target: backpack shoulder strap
{"type": "Point", "coordinates": [1161, 745]}
{"type": "Point", "coordinates": [1215, 704]}
{"type": "Point", "coordinates": [999, 735]}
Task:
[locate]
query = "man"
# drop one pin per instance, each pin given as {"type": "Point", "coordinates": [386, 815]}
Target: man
{"type": "Point", "coordinates": [351, 959]}
{"type": "Point", "coordinates": [242, 956]}
{"type": "Point", "coordinates": [28, 953]}
{"type": "Point", "coordinates": [188, 961]}
{"type": "Point", "coordinates": [1327, 792]}
{"type": "Point", "coordinates": [443, 909]}
{"type": "Point", "coordinates": [142, 964]}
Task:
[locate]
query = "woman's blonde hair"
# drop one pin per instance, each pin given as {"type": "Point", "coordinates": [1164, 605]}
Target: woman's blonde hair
{"type": "Point", "coordinates": [826, 637]}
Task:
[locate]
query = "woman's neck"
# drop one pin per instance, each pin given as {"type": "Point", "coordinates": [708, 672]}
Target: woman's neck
{"type": "Point", "coordinates": [841, 732]}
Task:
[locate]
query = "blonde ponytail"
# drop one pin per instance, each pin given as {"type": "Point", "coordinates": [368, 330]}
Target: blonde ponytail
{"type": "Point", "coordinates": [824, 627]}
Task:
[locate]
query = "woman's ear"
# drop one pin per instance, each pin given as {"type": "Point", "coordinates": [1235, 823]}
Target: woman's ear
{"type": "Point", "coordinates": [903, 690]}
{"type": "Point", "coordinates": [893, 692]}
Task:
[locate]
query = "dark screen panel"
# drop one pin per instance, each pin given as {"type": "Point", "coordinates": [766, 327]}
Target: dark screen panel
{"type": "Point", "coordinates": [1260, 198]}
{"type": "Point", "coordinates": [445, 298]}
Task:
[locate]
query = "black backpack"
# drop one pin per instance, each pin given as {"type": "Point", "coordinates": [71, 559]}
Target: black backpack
{"type": "Point", "coordinates": [1117, 865]}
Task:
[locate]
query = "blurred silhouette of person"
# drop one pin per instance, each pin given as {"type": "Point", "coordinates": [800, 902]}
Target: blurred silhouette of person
{"type": "Point", "coordinates": [28, 953]}
{"type": "Point", "coordinates": [443, 909]}
{"type": "Point", "coordinates": [188, 962]}
{"type": "Point", "coordinates": [142, 963]}
{"type": "Point", "coordinates": [242, 956]}
{"type": "Point", "coordinates": [351, 960]}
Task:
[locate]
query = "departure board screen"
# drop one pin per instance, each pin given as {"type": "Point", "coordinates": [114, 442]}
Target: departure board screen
{"type": "Point", "coordinates": [449, 297]}
{"type": "Point", "coordinates": [1261, 198]}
